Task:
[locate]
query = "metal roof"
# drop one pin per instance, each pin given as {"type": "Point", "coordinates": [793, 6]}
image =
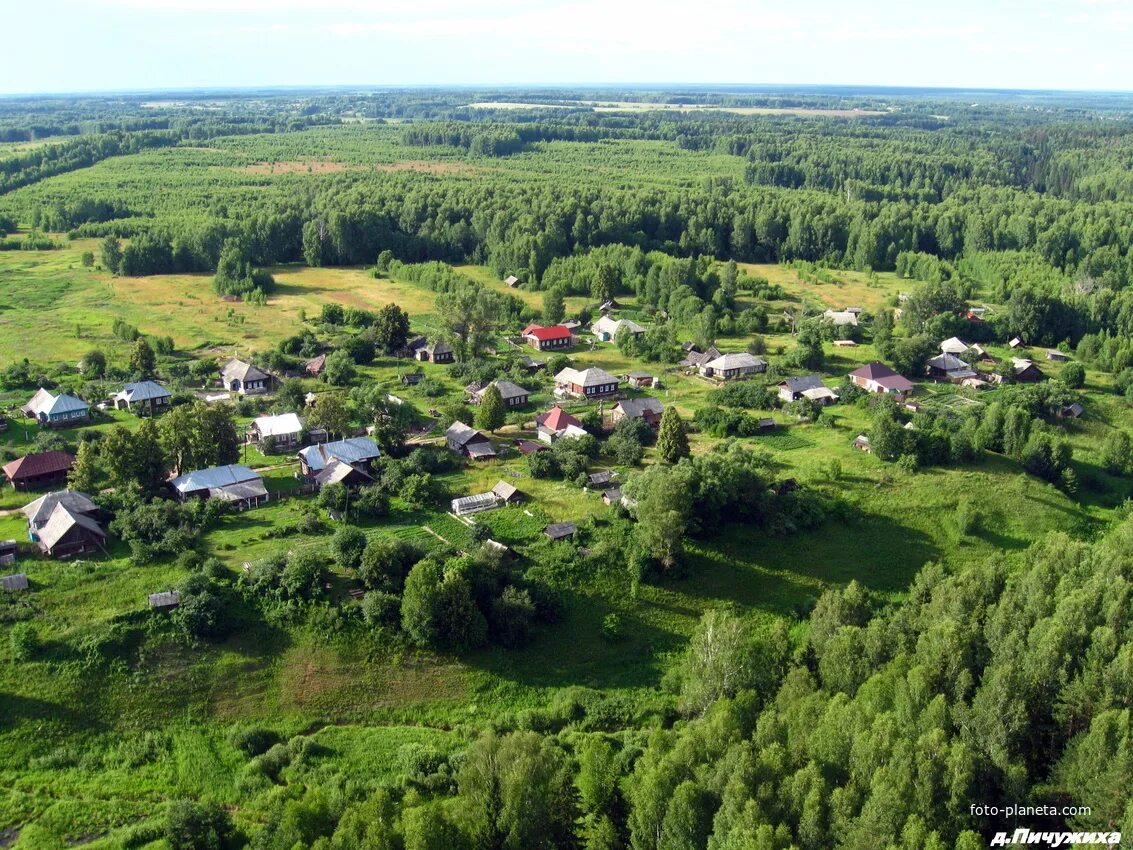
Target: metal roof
{"type": "Point", "coordinates": [215, 477]}
{"type": "Point", "coordinates": [61, 522]}
{"type": "Point", "coordinates": [143, 391]}
{"type": "Point", "coordinates": [281, 423]}
{"type": "Point", "coordinates": [351, 450]}
{"type": "Point", "coordinates": [38, 511]}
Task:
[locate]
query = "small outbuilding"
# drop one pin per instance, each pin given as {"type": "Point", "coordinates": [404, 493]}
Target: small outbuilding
{"type": "Point", "coordinates": [560, 530]}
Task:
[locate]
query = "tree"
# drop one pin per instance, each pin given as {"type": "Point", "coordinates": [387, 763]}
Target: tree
{"type": "Point", "coordinates": [391, 328]}
{"type": "Point", "coordinates": [516, 793]}
{"type": "Point", "coordinates": [1074, 375]}
{"type": "Point", "coordinates": [111, 251]}
{"type": "Point", "coordinates": [347, 545]}
{"type": "Point", "coordinates": [386, 562]}
{"type": "Point", "coordinates": [93, 364]}
{"type": "Point", "coordinates": [198, 826]}
{"type": "Point", "coordinates": [142, 359]}
{"type": "Point", "coordinates": [134, 458]}
{"type": "Point", "coordinates": [1117, 452]}
{"type": "Point", "coordinates": [605, 283]}
{"type": "Point", "coordinates": [85, 473]}
{"type": "Point", "coordinates": [554, 306]}
{"type": "Point", "coordinates": [491, 414]}
{"type": "Point", "coordinates": [339, 369]}
{"type": "Point", "coordinates": [199, 435]}
{"type": "Point", "coordinates": [672, 438]}
{"type": "Point", "coordinates": [437, 609]}
{"type": "Point", "coordinates": [330, 413]}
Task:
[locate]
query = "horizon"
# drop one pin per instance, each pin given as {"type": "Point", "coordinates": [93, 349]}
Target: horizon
{"type": "Point", "coordinates": [174, 45]}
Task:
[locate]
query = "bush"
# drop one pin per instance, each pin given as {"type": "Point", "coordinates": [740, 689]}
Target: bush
{"type": "Point", "coordinates": [198, 826]}
{"type": "Point", "coordinates": [24, 641]}
{"type": "Point", "coordinates": [252, 741]}
{"type": "Point", "coordinates": [347, 545]}
{"type": "Point", "coordinates": [382, 609]}
{"type": "Point", "coordinates": [612, 628]}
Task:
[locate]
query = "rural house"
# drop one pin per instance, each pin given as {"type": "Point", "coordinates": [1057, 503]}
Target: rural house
{"type": "Point", "coordinates": [467, 441]}
{"type": "Point", "coordinates": [878, 378]}
{"type": "Point", "coordinates": [556, 336]}
{"type": "Point", "coordinates": [731, 367]}
{"type": "Point", "coordinates": [648, 410]}
{"type": "Point", "coordinates": [954, 345]}
{"type": "Point", "coordinates": [949, 367]}
{"type": "Point", "coordinates": [243, 378]}
{"type": "Point", "coordinates": [231, 483]}
{"type": "Point", "coordinates": [841, 318]}
{"type": "Point", "coordinates": [284, 430]}
{"type": "Point", "coordinates": [36, 471]}
{"type": "Point", "coordinates": [695, 358]}
{"type": "Point", "coordinates": [792, 389]}
{"type": "Point", "coordinates": [56, 411]}
{"type": "Point", "coordinates": [513, 394]}
{"type": "Point", "coordinates": [606, 328]}
{"type": "Point", "coordinates": [556, 423]}
{"type": "Point", "coordinates": [148, 397]}
{"type": "Point", "coordinates": [39, 511]}
{"type": "Point", "coordinates": [67, 532]}
{"type": "Point", "coordinates": [436, 352]}
{"type": "Point", "coordinates": [358, 453]}
{"type": "Point", "coordinates": [589, 383]}
{"type": "Point", "coordinates": [1026, 371]}
{"type": "Point", "coordinates": [640, 380]}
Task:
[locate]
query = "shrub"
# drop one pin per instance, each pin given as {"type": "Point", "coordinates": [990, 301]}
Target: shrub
{"type": "Point", "coordinates": [252, 741]}
{"type": "Point", "coordinates": [24, 641]}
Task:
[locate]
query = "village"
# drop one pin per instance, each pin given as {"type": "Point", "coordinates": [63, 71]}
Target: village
{"type": "Point", "coordinates": [578, 401]}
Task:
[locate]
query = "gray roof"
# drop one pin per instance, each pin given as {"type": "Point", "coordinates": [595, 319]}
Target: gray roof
{"type": "Point", "coordinates": [591, 377]}
{"type": "Point", "coordinates": [351, 450]}
{"type": "Point", "coordinates": [277, 425]}
{"type": "Point", "coordinates": [439, 347]}
{"type": "Point", "coordinates": [507, 390]}
{"type": "Point", "coordinates": [635, 408]}
{"type": "Point", "coordinates": [165, 599]}
{"type": "Point", "coordinates": [238, 370]}
{"type": "Point", "coordinates": [947, 363]}
{"type": "Point", "coordinates": [559, 530]}
{"type": "Point", "coordinates": [505, 490]}
{"type": "Point", "coordinates": [45, 403]}
{"type": "Point", "coordinates": [214, 478]}
{"type": "Point", "coordinates": [802, 383]}
{"type": "Point", "coordinates": [484, 449]}
{"type": "Point", "coordinates": [336, 472]}
{"type": "Point", "coordinates": [61, 522]}
{"type": "Point", "coordinates": [737, 360]}
{"type": "Point", "coordinates": [459, 433]}
{"type": "Point", "coordinates": [18, 581]}
{"type": "Point", "coordinates": [143, 391]}
{"type": "Point", "coordinates": [40, 510]}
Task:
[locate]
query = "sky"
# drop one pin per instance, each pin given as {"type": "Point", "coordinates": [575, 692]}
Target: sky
{"type": "Point", "coordinates": [113, 45]}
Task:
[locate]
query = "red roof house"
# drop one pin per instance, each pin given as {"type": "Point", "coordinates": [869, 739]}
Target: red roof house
{"type": "Point", "coordinates": [556, 336]}
{"type": "Point", "coordinates": [878, 378]}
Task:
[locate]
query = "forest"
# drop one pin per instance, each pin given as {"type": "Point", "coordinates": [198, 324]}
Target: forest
{"type": "Point", "coordinates": [796, 626]}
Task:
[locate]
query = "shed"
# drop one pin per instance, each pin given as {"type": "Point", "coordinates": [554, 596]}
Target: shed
{"type": "Point", "coordinates": [7, 552]}
{"type": "Point", "coordinates": [1057, 356]}
{"type": "Point", "coordinates": [861, 442]}
{"type": "Point", "coordinates": [507, 493]}
{"type": "Point", "coordinates": [166, 600]}
{"type": "Point", "coordinates": [612, 496]}
{"type": "Point", "coordinates": [14, 583]}
{"type": "Point", "coordinates": [560, 530]}
{"type": "Point", "coordinates": [1071, 411]}
{"type": "Point", "coordinates": [597, 479]}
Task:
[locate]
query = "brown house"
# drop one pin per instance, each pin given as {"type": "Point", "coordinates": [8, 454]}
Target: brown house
{"type": "Point", "coordinates": [36, 471]}
{"type": "Point", "coordinates": [556, 336]}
